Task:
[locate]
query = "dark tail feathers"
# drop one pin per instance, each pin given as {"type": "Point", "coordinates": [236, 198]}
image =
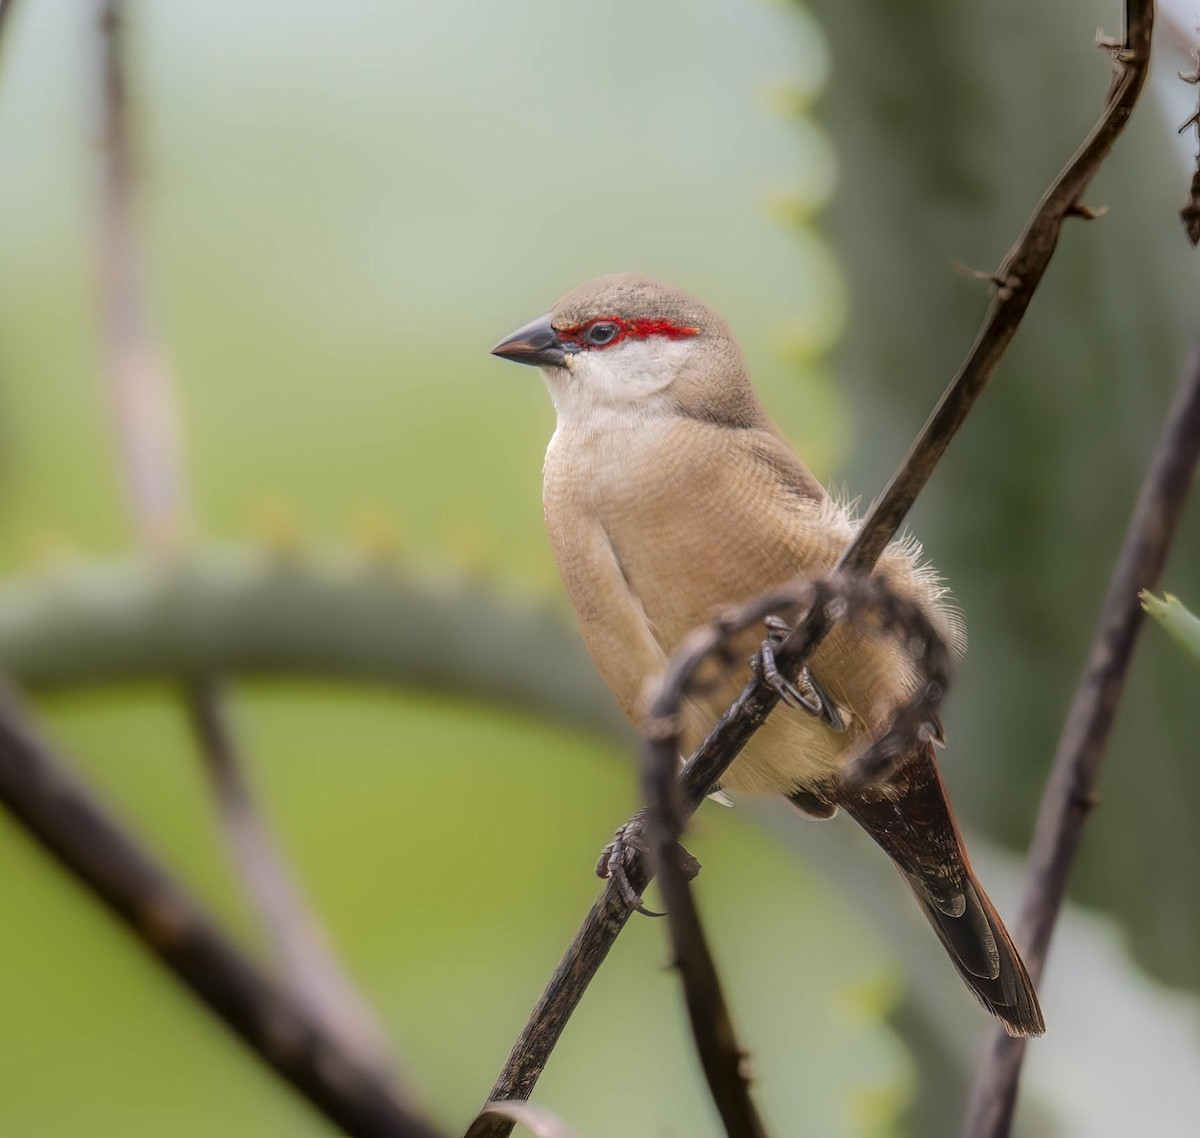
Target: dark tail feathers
{"type": "Point", "coordinates": [911, 820]}
{"type": "Point", "coordinates": [983, 952]}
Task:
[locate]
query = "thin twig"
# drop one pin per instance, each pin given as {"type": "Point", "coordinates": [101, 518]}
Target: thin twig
{"type": "Point", "coordinates": [824, 602]}
{"type": "Point", "coordinates": [300, 943]}
{"type": "Point", "coordinates": [582, 960]}
{"type": "Point", "coordinates": [540, 1122]}
{"type": "Point", "coordinates": [1072, 785]}
{"type": "Point", "coordinates": [1190, 213]}
{"type": "Point", "coordinates": [847, 597]}
{"type": "Point", "coordinates": [723, 1061]}
{"type": "Point", "coordinates": [147, 422]}
{"type": "Point", "coordinates": [1016, 281]}
{"type": "Point", "coordinates": [41, 794]}
{"type": "Point", "coordinates": [143, 402]}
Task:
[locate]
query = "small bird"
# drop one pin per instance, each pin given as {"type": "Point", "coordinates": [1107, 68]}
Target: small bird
{"type": "Point", "coordinates": [669, 495]}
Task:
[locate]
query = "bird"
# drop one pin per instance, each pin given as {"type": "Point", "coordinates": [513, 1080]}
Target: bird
{"type": "Point", "coordinates": [669, 495]}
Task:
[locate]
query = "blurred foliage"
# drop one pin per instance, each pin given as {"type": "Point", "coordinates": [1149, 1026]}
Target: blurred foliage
{"type": "Point", "coordinates": [450, 911]}
{"type": "Point", "coordinates": [949, 123]}
{"type": "Point", "coordinates": [1181, 623]}
{"type": "Point", "coordinates": [345, 206]}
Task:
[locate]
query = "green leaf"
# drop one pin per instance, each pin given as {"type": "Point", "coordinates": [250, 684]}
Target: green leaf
{"type": "Point", "coordinates": [1181, 624]}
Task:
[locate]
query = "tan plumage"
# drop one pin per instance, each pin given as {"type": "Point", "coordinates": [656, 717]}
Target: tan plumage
{"type": "Point", "coordinates": [669, 496]}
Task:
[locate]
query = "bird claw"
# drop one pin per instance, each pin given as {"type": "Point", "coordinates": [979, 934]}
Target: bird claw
{"type": "Point", "coordinates": [805, 694]}
{"type": "Point", "coordinates": [627, 850]}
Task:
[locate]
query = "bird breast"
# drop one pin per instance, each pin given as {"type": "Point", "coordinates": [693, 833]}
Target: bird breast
{"type": "Point", "coordinates": [658, 523]}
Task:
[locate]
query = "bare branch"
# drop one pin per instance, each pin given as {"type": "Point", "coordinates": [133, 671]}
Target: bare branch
{"type": "Point", "coordinates": [308, 960]}
{"type": "Point", "coordinates": [146, 417]}
{"type": "Point", "coordinates": [579, 964]}
{"type": "Point", "coordinates": [1071, 788]}
{"type": "Point", "coordinates": [540, 1122]}
{"type": "Point", "coordinates": [723, 1060]}
{"type": "Point", "coordinates": [142, 395]}
{"type": "Point", "coordinates": [1017, 280]}
{"type": "Point", "coordinates": [824, 603]}
{"type": "Point", "coordinates": [43, 796]}
{"type": "Point", "coordinates": [1190, 213]}
{"type": "Point", "coordinates": [820, 605]}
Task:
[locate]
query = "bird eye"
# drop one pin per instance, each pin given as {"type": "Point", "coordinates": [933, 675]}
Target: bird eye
{"type": "Point", "coordinates": [601, 334]}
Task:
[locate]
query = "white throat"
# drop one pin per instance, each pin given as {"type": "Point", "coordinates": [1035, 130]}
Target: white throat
{"type": "Point", "coordinates": [623, 383]}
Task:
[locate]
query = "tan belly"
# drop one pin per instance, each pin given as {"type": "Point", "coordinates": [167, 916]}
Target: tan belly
{"type": "Point", "coordinates": [793, 749]}
{"type": "Point", "coordinates": [656, 543]}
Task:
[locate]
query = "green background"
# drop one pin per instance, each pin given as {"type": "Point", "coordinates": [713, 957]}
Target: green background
{"type": "Point", "coordinates": [343, 207]}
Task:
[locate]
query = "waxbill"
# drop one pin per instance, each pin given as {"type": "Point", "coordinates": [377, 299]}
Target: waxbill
{"type": "Point", "coordinates": [669, 496]}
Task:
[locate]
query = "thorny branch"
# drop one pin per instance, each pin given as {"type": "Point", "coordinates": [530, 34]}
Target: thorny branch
{"type": "Point", "coordinates": [170, 922]}
{"type": "Point", "coordinates": [611, 911]}
{"type": "Point", "coordinates": [861, 600]}
{"type": "Point", "coordinates": [147, 423]}
{"type": "Point", "coordinates": [1070, 790]}
{"type": "Point", "coordinates": [44, 797]}
{"type": "Point", "coordinates": [1016, 281]}
{"type": "Point", "coordinates": [1190, 213]}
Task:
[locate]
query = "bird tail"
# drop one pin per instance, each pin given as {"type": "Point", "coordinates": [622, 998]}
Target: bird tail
{"type": "Point", "coordinates": [910, 818]}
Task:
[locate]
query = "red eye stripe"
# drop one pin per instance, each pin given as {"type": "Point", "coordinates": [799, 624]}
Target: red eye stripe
{"type": "Point", "coordinates": [643, 328]}
{"type": "Point", "coordinates": [640, 329]}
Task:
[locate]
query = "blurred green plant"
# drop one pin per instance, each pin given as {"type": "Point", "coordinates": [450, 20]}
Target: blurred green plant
{"type": "Point", "coordinates": [337, 230]}
{"type": "Point", "coordinates": [939, 161]}
{"type": "Point", "coordinates": [336, 225]}
{"type": "Point", "coordinates": [1180, 623]}
{"type": "Point", "coordinates": [350, 783]}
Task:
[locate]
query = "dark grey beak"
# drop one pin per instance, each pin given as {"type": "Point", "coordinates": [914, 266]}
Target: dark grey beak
{"type": "Point", "coordinates": [535, 343]}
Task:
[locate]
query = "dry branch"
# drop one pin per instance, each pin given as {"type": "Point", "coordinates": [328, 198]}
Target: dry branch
{"type": "Point", "coordinates": [308, 964]}
{"type": "Point", "coordinates": [1190, 213]}
{"type": "Point", "coordinates": [823, 603]}
{"type": "Point", "coordinates": [536, 1119]}
{"type": "Point", "coordinates": [47, 800]}
{"type": "Point", "coordinates": [141, 389]}
{"type": "Point", "coordinates": [1071, 788]}
{"type": "Point", "coordinates": [145, 413]}
{"type": "Point", "coordinates": [1016, 281]}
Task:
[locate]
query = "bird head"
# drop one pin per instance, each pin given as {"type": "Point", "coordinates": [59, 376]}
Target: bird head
{"type": "Point", "coordinates": [629, 343]}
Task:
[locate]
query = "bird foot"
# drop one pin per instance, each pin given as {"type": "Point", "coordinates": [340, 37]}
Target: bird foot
{"type": "Point", "coordinates": [626, 854]}
{"type": "Point", "coordinates": [805, 694]}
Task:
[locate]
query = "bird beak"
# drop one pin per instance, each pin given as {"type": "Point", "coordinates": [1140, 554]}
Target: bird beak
{"type": "Point", "coordinates": [536, 343]}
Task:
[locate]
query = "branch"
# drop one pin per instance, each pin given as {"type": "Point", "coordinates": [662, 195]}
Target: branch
{"type": "Point", "coordinates": [1017, 279]}
{"type": "Point", "coordinates": [1190, 213]}
{"type": "Point", "coordinates": [146, 417]}
{"type": "Point", "coordinates": [825, 602]}
{"type": "Point", "coordinates": [540, 1122]}
{"type": "Point", "coordinates": [300, 943]}
{"type": "Point", "coordinates": [1071, 788]}
{"type": "Point", "coordinates": [141, 390]}
{"type": "Point", "coordinates": [43, 796]}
